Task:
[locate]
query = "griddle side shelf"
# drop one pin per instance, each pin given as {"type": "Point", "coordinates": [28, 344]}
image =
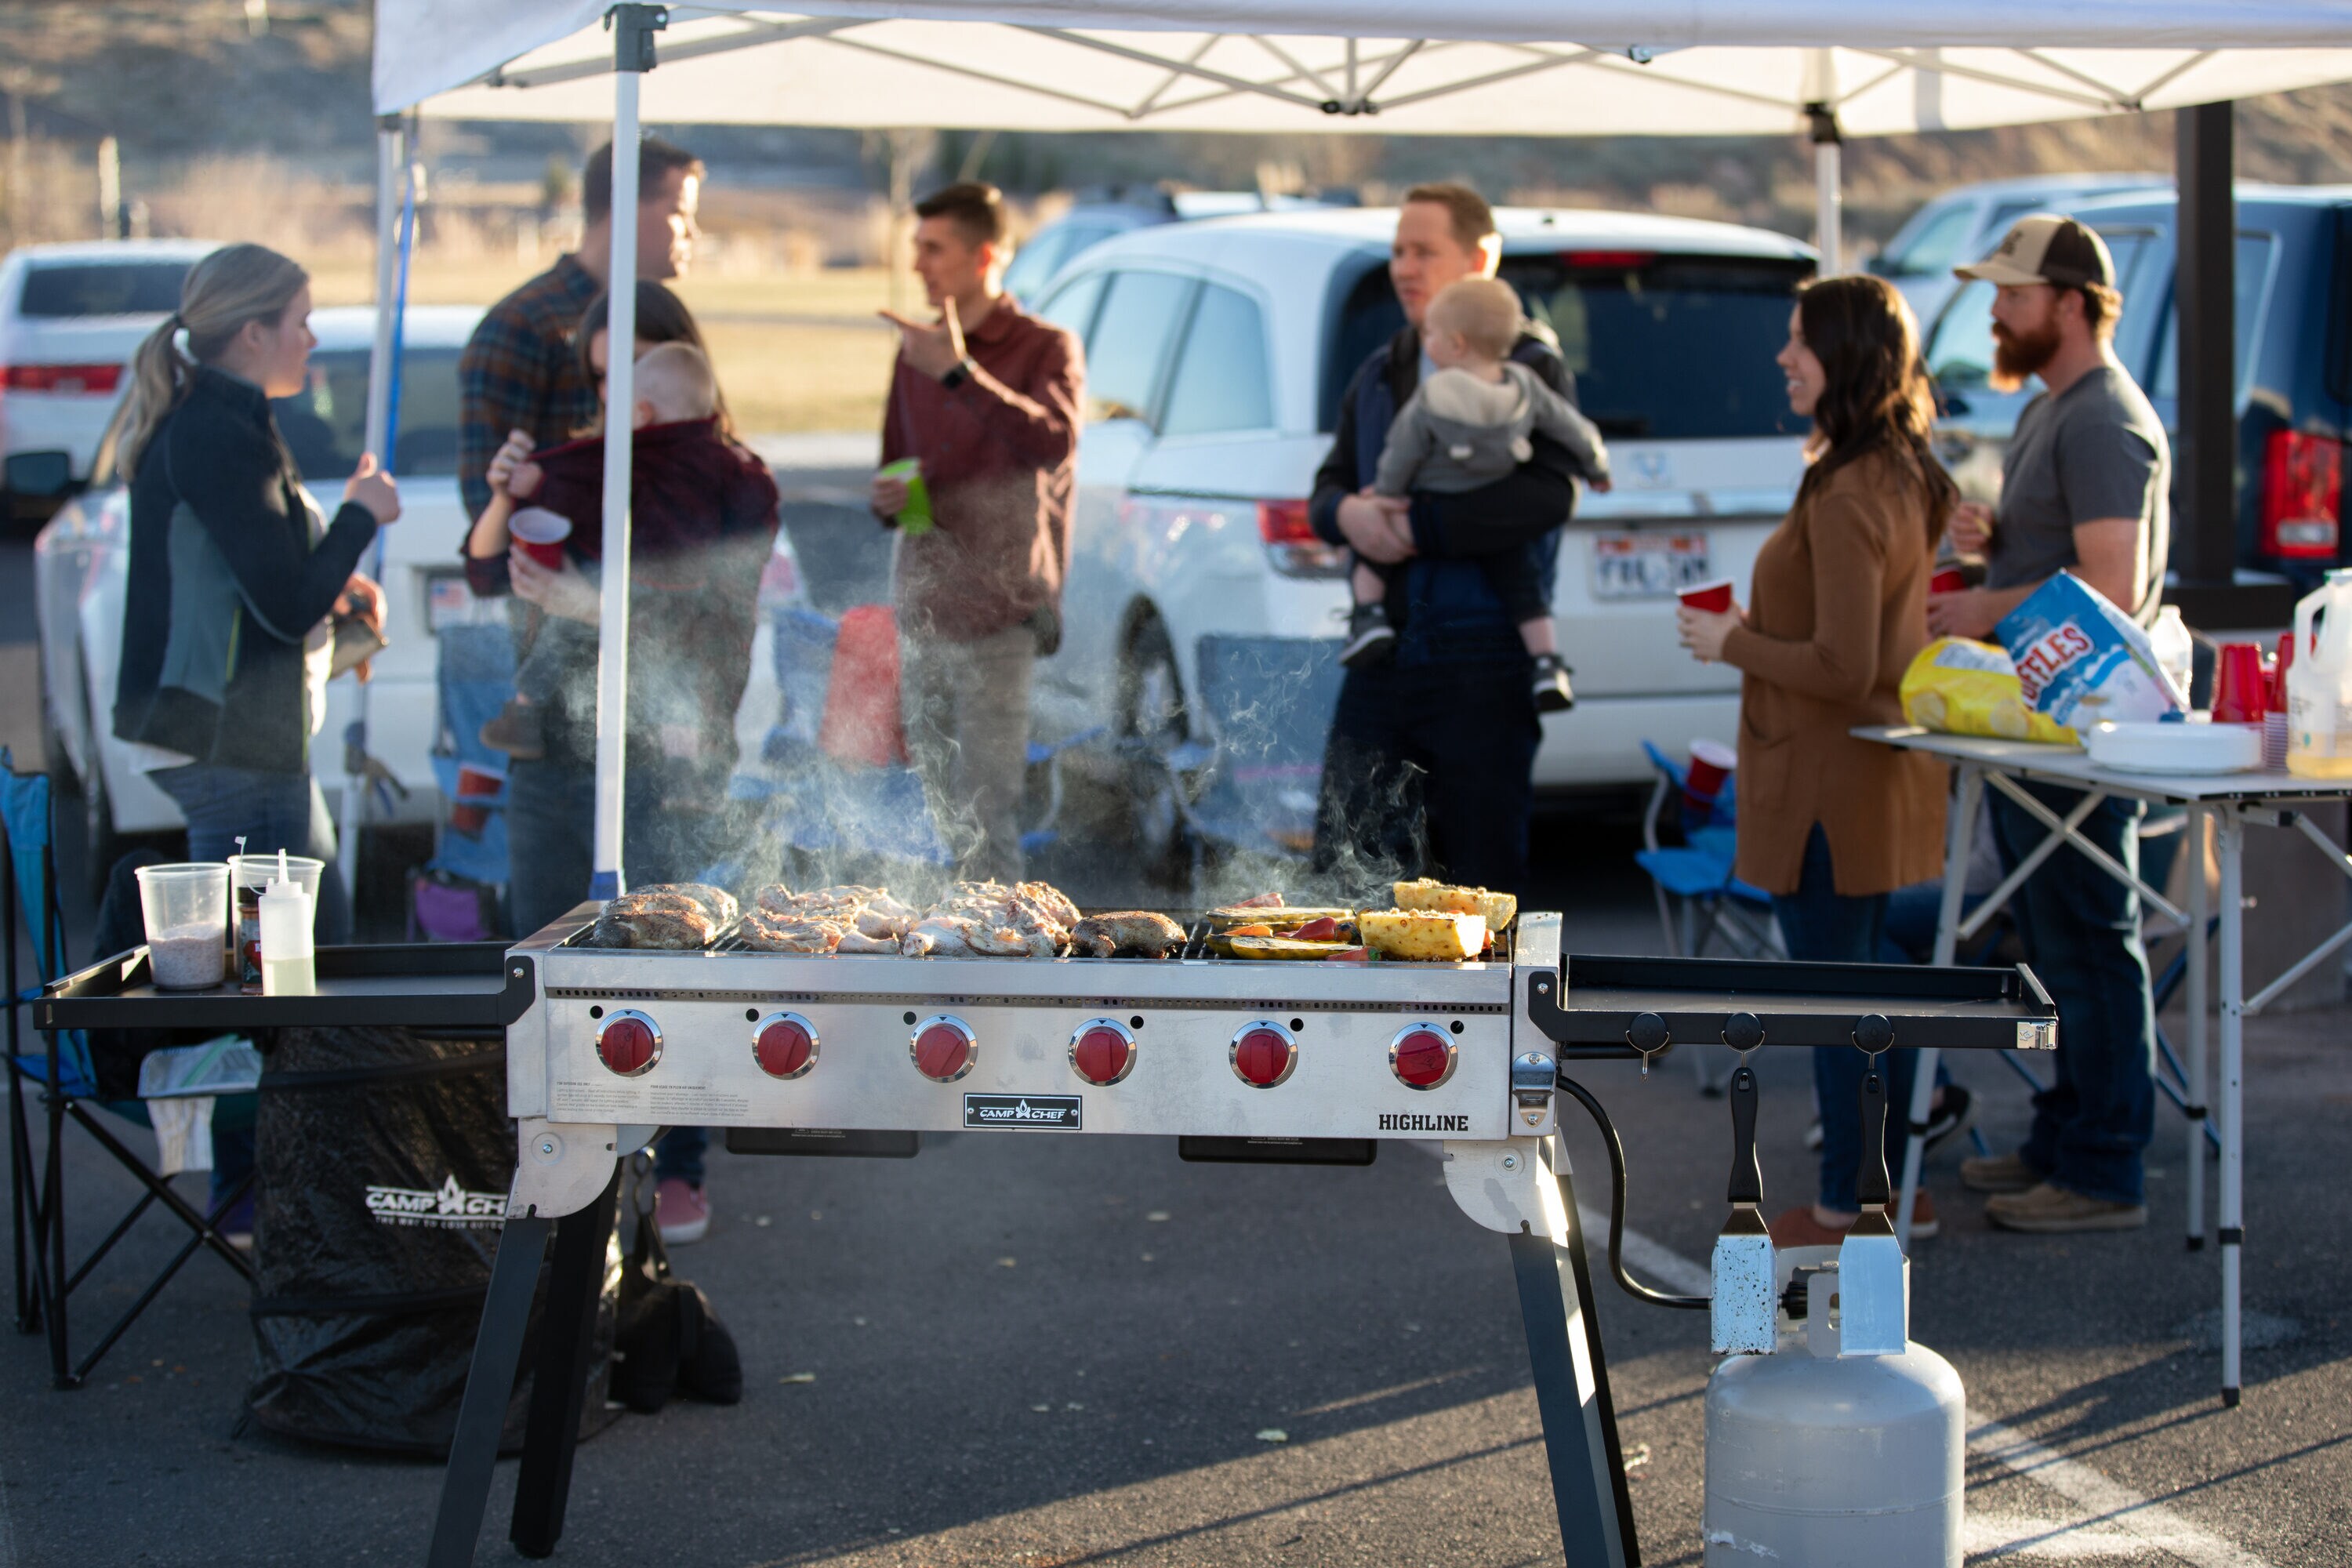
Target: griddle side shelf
{"type": "Point", "coordinates": [1590, 1011]}
{"type": "Point", "coordinates": [423, 986]}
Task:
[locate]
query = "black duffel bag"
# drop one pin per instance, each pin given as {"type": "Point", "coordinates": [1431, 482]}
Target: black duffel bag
{"type": "Point", "coordinates": [384, 1157]}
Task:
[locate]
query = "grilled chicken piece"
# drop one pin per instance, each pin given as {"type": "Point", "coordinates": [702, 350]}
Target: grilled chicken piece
{"type": "Point", "coordinates": [716, 902]}
{"type": "Point", "coordinates": [941, 936]}
{"type": "Point", "coordinates": [654, 917]}
{"type": "Point", "coordinates": [879, 925]}
{"type": "Point", "coordinates": [782, 933]}
{"type": "Point", "coordinates": [1050, 899]}
{"type": "Point", "coordinates": [1129, 933]}
{"type": "Point", "coordinates": [859, 942]}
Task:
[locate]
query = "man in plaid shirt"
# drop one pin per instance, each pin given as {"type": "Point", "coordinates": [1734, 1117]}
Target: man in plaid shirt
{"type": "Point", "coordinates": [521, 370]}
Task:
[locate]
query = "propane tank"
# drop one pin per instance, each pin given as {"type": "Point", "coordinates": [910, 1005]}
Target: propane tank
{"type": "Point", "coordinates": [1832, 1460]}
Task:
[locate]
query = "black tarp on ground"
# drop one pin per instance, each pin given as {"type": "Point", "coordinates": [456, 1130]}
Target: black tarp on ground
{"type": "Point", "coordinates": [385, 1157]}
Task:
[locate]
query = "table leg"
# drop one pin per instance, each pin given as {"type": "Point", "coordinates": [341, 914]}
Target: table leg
{"type": "Point", "coordinates": [2199, 913]}
{"type": "Point", "coordinates": [490, 1386]}
{"type": "Point", "coordinates": [559, 1382]}
{"type": "Point", "coordinates": [1579, 1424]}
{"type": "Point", "coordinates": [2233, 834]}
{"type": "Point", "coordinates": [1959, 835]}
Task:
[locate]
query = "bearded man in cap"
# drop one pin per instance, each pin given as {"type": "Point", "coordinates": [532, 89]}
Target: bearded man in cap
{"type": "Point", "coordinates": [2085, 484]}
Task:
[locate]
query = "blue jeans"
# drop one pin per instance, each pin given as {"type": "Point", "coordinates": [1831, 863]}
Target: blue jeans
{"type": "Point", "coordinates": [2081, 932]}
{"type": "Point", "coordinates": [1822, 925]}
{"type": "Point", "coordinates": [551, 850]}
{"type": "Point", "coordinates": [272, 812]}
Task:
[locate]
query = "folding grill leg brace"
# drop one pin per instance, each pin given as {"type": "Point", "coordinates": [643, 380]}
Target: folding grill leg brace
{"type": "Point", "coordinates": [2229, 819]}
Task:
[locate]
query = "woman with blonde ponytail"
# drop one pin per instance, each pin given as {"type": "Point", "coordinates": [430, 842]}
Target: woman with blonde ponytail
{"type": "Point", "coordinates": [226, 634]}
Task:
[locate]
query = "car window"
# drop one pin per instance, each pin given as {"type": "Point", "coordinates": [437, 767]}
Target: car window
{"type": "Point", "coordinates": [2253, 270]}
{"type": "Point", "coordinates": [1221, 382]}
{"type": "Point", "coordinates": [1960, 355]}
{"type": "Point", "coordinates": [1072, 307]}
{"type": "Point", "coordinates": [1034, 265]}
{"type": "Point", "coordinates": [324, 422]}
{"type": "Point", "coordinates": [1140, 313]}
{"type": "Point", "coordinates": [1936, 248]}
{"type": "Point", "coordinates": [103, 288]}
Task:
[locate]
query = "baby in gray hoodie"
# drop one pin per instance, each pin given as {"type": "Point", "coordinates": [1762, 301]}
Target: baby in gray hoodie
{"type": "Point", "coordinates": [1466, 426]}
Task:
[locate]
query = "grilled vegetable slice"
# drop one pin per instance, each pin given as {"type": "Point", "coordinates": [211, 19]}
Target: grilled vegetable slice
{"type": "Point", "coordinates": [1499, 909]}
{"type": "Point", "coordinates": [1233, 915]}
{"type": "Point", "coordinates": [1270, 947]}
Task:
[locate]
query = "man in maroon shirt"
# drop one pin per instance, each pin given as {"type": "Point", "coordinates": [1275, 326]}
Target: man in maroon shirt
{"type": "Point", "coordinates": [986, 399]}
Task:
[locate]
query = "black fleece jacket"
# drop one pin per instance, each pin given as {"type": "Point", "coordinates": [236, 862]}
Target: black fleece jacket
{"type": "Point", "coordinates": [224, 584]}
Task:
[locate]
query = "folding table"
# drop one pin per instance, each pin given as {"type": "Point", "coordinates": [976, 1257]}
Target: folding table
{"type": "Point", "coordinates": [2229, 802]}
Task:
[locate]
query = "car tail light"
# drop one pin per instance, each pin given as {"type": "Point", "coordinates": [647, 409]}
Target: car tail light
{"type": "Point", "coordinates": [97, 380]}
{"type": "Point", "coordinates": [629, 1043]}
{"type": "Point", "coordinates": [2302, 493]}
{"type": "Point", "coordinates": [1102, 1051]}
{"type": "Point", "coordinates": [1421, 1056]}
{"type": "Point", "coordinates": [1291, 543]}
{"type": "Point", "coordinates": [943, 1048]}
{"type": "Point", "coordinates": [1263, 1053]}
{"type": "Point", "coordinates": [1607, 260]}
{"type": "Point", "coordinates": [784, 1045]}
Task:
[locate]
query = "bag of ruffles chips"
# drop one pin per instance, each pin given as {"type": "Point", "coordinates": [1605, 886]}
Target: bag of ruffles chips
{"type": "Point", "coordinates": [2080, 659]}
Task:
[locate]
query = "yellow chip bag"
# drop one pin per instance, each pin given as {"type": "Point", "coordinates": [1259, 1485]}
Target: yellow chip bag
{"type": "Point", "coordinates": [1964, 688]}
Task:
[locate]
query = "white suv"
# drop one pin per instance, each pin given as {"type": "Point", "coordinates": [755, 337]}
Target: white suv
{"type": "Point", "coordinates": [1202, 614]}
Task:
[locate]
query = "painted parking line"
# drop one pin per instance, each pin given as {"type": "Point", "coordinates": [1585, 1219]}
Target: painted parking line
{"type": "Point", "coordinates": [2115, 1521]}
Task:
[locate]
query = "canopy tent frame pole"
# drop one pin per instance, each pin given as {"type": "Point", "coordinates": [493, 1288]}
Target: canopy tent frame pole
{"type": "Point", "coordinates": [392, 145]}
{"type": "Point", "coordinates": [634, 27]}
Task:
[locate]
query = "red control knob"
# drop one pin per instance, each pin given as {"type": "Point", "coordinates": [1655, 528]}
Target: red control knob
{"type": "Point", "coordinates": [785, 1044]}
{"type": "Point", "coordinates": [1423, 1057]}
{"type": "Point", "coordinates": [1264, 1053]}
{"type": "Point", "coordinates": [943, 1048]}
{"type": "Point", "coordinates": [1102, 1051]}
{"type": "Point", "coordinates": [629, 1043]}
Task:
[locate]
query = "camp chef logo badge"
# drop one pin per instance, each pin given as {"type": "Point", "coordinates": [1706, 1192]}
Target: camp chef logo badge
{"type": "Point", "coordinates": [446, 1207]}
{"type": "Point", "coordinates": [1421, 1121]}
{"type": "Point", "coordinates": [1046, 1112]}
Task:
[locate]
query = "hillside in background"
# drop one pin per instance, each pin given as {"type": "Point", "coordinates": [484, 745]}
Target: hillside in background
{"type": "Point", "coordinates": [198, 91]}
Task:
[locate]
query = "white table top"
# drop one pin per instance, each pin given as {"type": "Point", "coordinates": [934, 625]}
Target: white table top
{"type": "Point", "coordinates": [2071, 765]}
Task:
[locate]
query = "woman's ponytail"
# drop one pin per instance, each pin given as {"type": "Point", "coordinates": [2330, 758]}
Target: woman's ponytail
{"type": "Point", "coordinates": [233, 286]}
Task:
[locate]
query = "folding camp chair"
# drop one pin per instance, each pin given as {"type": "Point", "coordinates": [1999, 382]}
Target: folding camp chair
{"type": "Point", "coordinates": [65, 1075]}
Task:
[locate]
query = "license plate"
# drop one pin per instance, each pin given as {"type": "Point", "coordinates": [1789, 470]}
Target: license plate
{"type": "Point", "coordinates": [1648, 565]}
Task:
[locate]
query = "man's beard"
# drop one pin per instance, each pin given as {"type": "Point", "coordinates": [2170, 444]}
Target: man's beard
{"type": "Point", "coordinates": [2017, 355]}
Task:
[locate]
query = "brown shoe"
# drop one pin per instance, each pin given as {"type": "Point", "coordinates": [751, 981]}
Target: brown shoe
{"type": "Point", "coordinates": [1800, 1228]}
{"type": "Point", "coordinates": [516, 731]}
{"type": "Point", "coordinates": [2048, 1210]}
{"type": "Point", "coordinates": [1998, 1173]}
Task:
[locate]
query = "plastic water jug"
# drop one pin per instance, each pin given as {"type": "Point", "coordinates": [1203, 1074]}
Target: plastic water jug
{"type": "Point", "coordinates": [2319, 683]}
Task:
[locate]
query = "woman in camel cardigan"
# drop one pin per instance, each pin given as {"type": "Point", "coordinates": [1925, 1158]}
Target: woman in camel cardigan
{"type": "Point", "coordinates": [1830, 825]}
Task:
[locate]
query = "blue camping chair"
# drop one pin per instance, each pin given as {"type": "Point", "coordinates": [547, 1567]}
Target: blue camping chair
{"type": "Point", "coordinates": [64, 1074]}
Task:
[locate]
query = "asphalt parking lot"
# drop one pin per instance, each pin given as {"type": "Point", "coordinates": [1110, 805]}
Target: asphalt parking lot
{"type": "Point", "coordinates": [1018, 1350]}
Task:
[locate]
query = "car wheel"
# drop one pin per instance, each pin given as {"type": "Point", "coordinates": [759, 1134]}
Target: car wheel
{"type": "Point", "coordinates": [1153, 725]}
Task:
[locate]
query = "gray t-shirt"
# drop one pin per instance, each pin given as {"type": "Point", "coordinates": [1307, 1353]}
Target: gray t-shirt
{"type": "Point", "coordinates": [2095, 450]}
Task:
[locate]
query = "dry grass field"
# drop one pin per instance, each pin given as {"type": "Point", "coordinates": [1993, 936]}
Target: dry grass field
{"type": "Point", "coordinates": [795, 352]}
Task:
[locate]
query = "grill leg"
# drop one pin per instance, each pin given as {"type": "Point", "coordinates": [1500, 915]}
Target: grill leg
{"type": "Point", "coordinates": [490, 1386]}
{"type": "Point", "coordinates": [559, 1382]}
{"type": "Point", "coordinates": [1580, 1424]}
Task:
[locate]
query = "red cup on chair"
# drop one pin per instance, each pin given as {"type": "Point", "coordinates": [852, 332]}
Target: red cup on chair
{"type": "Point", "coordinates": [1713, 597]}
{"type": "Point", "coordinates": [473, 783]}
{"type": "Point", "coordinates": [540, 534]}
{"type": "Point", "coordinates": [1711, 763]}
{"type": "Point", "coordinates": [2239, 695]}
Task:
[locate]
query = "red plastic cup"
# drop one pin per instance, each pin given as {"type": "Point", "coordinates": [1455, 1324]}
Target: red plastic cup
{"type": "Point", "coordinates": [1947, 580]}
{"type": "Point", "coordinates": [2279, 669]}
{"type": "Point", "coordinates": [473, 783]}
{"type": "Point", "coordinates": [1711, 763]}
{"type": "Point", "coordinates": [2237, 685]}
{"type": "Point", "coordinates": [1713, 597]}
{"type": "Point", "coordinates": [540, 534]}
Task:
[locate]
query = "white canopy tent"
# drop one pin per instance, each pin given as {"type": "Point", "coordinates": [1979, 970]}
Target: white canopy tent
{"type": "Point", "coordinates": [1565, 67]}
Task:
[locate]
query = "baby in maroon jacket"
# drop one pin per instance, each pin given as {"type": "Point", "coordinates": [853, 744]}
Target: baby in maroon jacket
{"type": "Point", "coordinates": [687, 483]}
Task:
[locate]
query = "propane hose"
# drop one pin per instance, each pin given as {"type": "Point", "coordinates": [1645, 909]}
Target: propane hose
{"type": "Point", "coordinates": [1631, 1285]}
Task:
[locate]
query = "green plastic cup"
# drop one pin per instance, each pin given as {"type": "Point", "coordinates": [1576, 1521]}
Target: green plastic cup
{"type": "Point", "coordinates": [915, 517]}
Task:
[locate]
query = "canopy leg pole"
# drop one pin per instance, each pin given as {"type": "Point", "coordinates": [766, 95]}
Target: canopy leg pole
{"type": "Point", "coordinates": [389, 152]}
{"type": "Point", "coordinates": [1828, 203]}
{"type": "Point", "coordinates": [633, 53]}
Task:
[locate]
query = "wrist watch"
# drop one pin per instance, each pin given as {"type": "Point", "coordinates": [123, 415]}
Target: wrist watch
{"type": "Point", "coordinates": [959, 373]}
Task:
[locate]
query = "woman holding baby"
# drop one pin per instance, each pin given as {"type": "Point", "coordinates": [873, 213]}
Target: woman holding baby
{"type": "Point", "coordinates": [1830, 825]}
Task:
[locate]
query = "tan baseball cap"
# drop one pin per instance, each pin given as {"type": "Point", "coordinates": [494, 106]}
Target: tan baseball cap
{"type": "Point", "coordinates": [2046, 247]}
